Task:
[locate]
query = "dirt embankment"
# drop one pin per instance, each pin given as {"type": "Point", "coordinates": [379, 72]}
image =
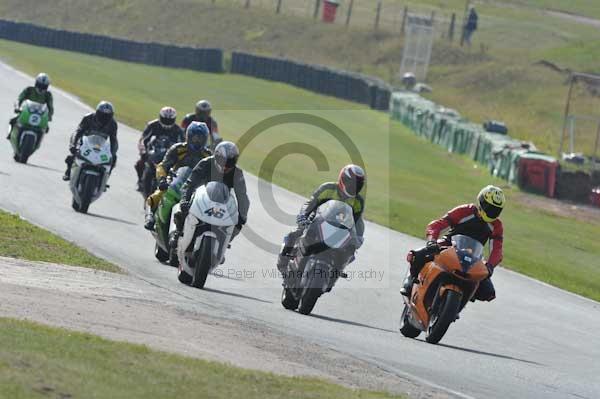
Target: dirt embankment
{"type": "Point", "coordinates": [124, 308]}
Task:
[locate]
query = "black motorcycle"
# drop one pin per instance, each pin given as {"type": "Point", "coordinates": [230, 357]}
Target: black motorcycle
{"type": "Point", "coordinates": [320, 256]}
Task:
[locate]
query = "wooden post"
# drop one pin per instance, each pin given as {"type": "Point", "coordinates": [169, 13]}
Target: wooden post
{"type": "Point", "coordinates": [317, 6]}
{"type": "Point", "coordinates": [278, 9]}
{"type": "Point", "coordinates": [349, 15]}
{"type": "Point", "coordinates": [566, 121]}
{"type": "Point", "coordinates": [377, 15]}
{"type": "Point", "coordinates": [404, 16]}
{"type": "Point", "coordinates": [596, 148]}
{"type": "Point", "coordinates": [247, 4]}
{"type": "Point", "coordinates": [451, 29]}
{"type": "Point", "coordinates": [432, 20]}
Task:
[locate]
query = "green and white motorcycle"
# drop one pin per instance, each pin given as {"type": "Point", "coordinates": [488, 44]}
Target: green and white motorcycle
{"type": "Point", "coordinates": [28, 131]}
{"type": "Point", "coordinates": [164, 228]}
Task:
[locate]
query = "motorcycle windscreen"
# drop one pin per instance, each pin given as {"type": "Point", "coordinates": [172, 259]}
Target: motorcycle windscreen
{"type": "Point", "coordinates": [157, 148]}
{"type": "Point", "coordinates": [338, 214]}
{"type": "Point", "coordinates": [334, 236]}
{"type": "Point", "coordinates": [95, 149]}
{"type": "Point", "coordinates": [182, 175]}
{"type": "Point", "coordinates": [36, 108]}
{"type": "Point", "coordinates": [212, 212]}
{"type": "Point", "coordinates": [468, 250]}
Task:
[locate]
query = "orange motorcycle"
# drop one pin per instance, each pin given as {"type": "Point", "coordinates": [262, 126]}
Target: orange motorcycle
{"type": "Point", "coordinates": [443, 288]}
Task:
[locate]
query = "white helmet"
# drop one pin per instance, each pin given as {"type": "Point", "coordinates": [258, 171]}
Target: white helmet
{"type": "Point", "coordinates": [42, 81]}
{"type": "Point", "coordinates": [167, 117]}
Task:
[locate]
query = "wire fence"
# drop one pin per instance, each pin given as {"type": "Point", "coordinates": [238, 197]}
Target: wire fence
{"type": "Point", "coordinates": [387, 16]}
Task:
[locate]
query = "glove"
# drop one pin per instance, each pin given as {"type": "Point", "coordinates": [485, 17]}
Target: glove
{"type": "Point", "coordinates": [433, 246]}
{"type": "Point", "coordinates": [49, 118]}
{"type": "Point", "coordinates": [302, 220]}
{"type": "Point", "coordinates": [241, 222]}
{"type": "Point", "coordinates": [490, 269]}
{"type": "Point", "coordinates": [163, 185]}
{"type": "Point", "coordinates": [73, 150]}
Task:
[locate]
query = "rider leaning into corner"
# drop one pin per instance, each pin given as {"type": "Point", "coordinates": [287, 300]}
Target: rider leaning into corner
{"type": "Point", "coordinates": [221, 167]}
{"type": "Point", "coordinates": [203, 113]}
{"type": "Point", "coordinates": [189, 153]}
{"type": "Point", "coordinates": [164, 126]}
{"type": "Point", "coordinates": [347, 189]}
{"type": "Point", "coordinates": [38, 93]}
{"type": "Point", "coordinates": [102, 123]}
{"type": "Point", "coordinates": [479, 221]}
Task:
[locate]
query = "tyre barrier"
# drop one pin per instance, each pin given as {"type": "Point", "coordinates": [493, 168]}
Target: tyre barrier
{"type": "Point", "coordinates": [320, 79]}
{"type": "Point", "coordinates": [205, 59]}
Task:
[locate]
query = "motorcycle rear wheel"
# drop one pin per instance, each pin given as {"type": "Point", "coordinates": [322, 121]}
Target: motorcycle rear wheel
{"type": "Point", "coordinates": [448, 309]}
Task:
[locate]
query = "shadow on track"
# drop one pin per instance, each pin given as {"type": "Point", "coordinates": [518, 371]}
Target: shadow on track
{"type": "Point", "coordinates": [236, 295]}
{"type": "Point", "coordinates": [497, 355]}
{"type": "Point", "coordinates": [112, 219]}
{"type": "Point", "coordinates": [46, 168]}
{"type": "Point", "coordinates": [352, 323]}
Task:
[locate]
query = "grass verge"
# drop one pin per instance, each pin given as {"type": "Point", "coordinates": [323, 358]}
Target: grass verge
{"type": "Point", "coordinates": [20, 239]}
{"type": "Point", "coordinates": [40, 362]}
{"type": "Point", "coordinates": [410, 181]}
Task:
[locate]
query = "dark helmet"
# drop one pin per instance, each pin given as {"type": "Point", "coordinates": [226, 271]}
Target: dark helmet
{"type": "Point", "coordinates": [167, 117]}
{"type": "Point", "coordinates": [203, 110]}
{"type": "Point", "coordinates": [196, 136]}
{"type": "Point", "coordinates": [351, 180]}
{"type": "Point", "coordinates": [104, 112]}
{"type": "Point", "coordinates": [226, 156]}
{"type": "Point", "coordinates": [42, 82]}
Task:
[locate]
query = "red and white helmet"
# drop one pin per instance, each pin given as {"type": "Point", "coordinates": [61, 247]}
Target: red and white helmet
{"type": "Point", "coordinates": [167, 116]}
{"type": "Point", "coordinates": [351, 180]}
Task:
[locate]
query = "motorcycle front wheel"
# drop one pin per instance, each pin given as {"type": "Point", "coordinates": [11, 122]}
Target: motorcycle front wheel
{"type": "Point", "coordinates": [203, 261]}
{"type": "Point", "coordinates": [446, 314]}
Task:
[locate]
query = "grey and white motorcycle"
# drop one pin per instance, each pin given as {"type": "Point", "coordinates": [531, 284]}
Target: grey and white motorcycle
{"type": "Point", "coordinates": [320, 256]}
{"type": "Point", "coordinates": [207, 231]}
{"type": "Point", "coordinates": [90, 171]}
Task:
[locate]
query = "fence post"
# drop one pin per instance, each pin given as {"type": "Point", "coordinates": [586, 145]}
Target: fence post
{"type": "Point", "coordinates": [316, 12]}
{"type": "Point", "coordinates": [377, 15]}
{"type": "Point", "coordinates": [349, 15]}
{"type": "Point", "coordinates": [278, 9]}
{"type": "Point", "coordinates": [432, 20]}
{"type": "Point", "coordinates": [247, 4]}
{"type": "Point", "coordinates": [451, 29]}
{"type": "Point", "coordinates": [404, 16]}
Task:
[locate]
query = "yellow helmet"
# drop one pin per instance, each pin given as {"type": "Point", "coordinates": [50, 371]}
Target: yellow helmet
{"type": "Point", "coordinates": [490, 203]}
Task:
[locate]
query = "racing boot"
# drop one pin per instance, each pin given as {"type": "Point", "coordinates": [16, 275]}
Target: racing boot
{"type": "Point", "coordinates": [407, 286]}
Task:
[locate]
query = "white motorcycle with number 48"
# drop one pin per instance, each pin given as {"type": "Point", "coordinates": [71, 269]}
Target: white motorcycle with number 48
{"type": "Point", "coordinates": [207, 231]}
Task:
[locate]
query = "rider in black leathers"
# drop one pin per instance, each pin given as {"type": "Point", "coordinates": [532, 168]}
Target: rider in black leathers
{"type": "Point", "coordinates": [100, 123]}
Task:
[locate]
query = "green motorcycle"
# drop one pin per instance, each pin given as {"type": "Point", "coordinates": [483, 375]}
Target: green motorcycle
{"type": "Point", "coordinates": [28, 131]}
{"type": "Point", "coordinates": [164, 227]}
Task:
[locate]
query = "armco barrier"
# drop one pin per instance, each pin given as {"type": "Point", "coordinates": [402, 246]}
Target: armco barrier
{"type": "Point", "coordinates": [208, 60]}
{"type": "Point", "coordinates": [337, 83]}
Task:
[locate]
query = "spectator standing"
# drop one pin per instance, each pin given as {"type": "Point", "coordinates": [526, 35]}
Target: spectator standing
{"type": "Point", "coordinates": [471, 25]}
